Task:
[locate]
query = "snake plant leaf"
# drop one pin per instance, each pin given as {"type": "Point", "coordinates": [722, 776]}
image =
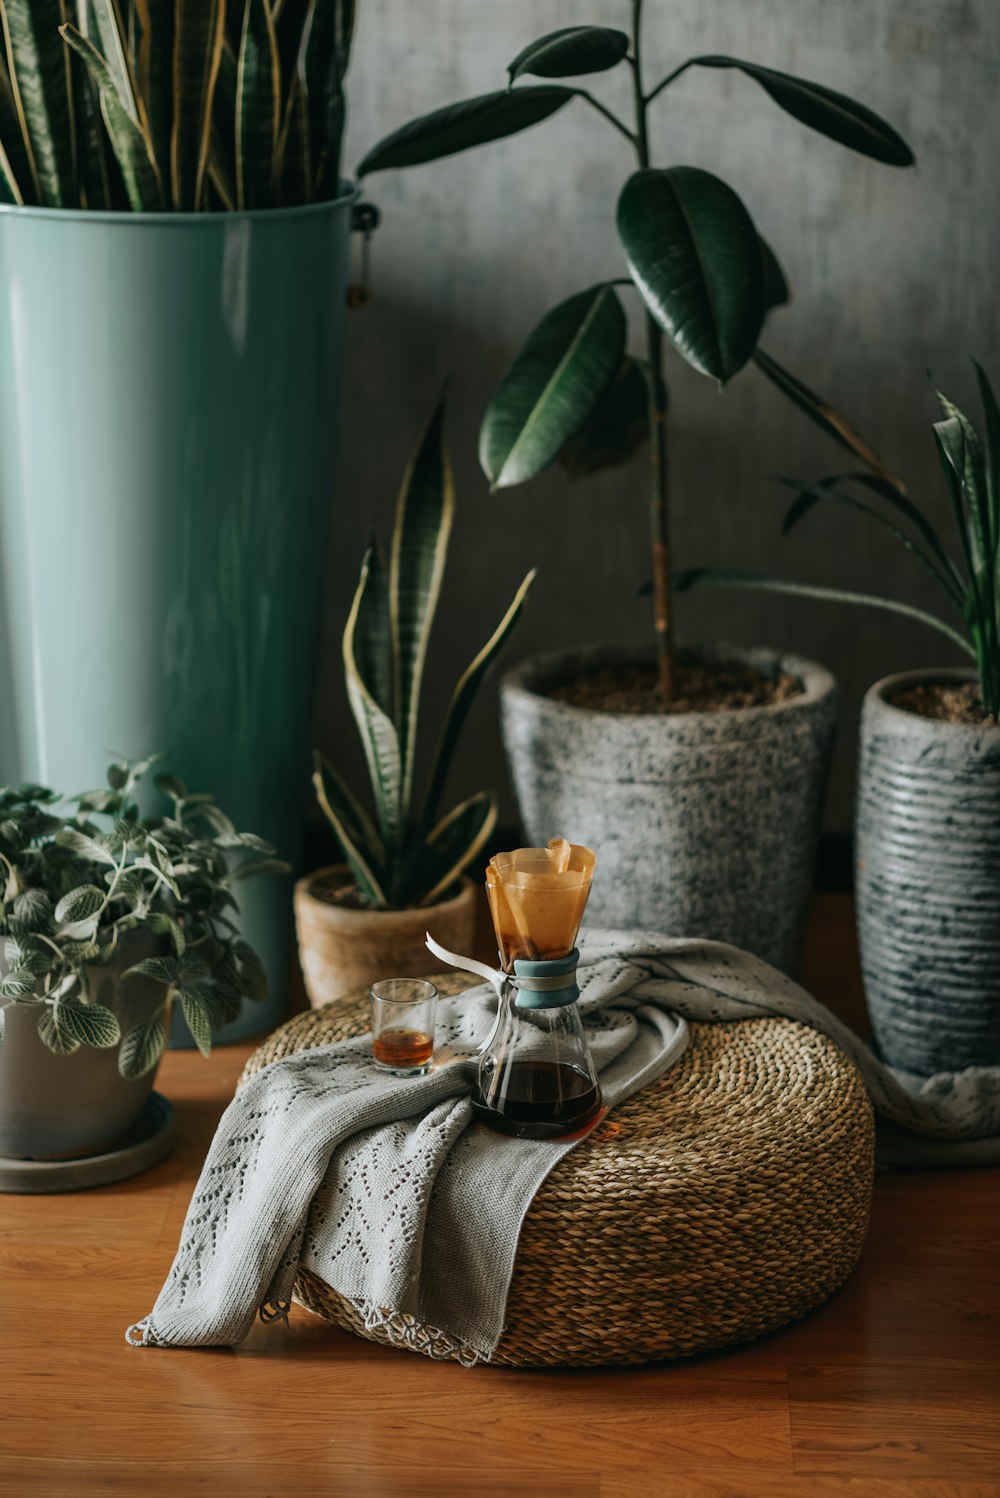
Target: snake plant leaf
{"type": "Point", "coordinates": [109, 35]}
{"type": "Point", "coordinates": [90, 1024]}
{"type": "Point", "coordinates": [824, 415]}
{"type": "Point", "coordinates": [571, 51]}
{"type": "Point", "coordinates": [424, 515]}
{"type": "Point", "coordinates": [153, 66]}
{"type": "Point", "coordinates": [291, 18]}
{"type": "Point", "coordinates": [38, 68]}
{"type": "Point", "coordinates": [199, 27]}
{"type": "Point", "coordinates": [327, 50]}
{"type": "Point", "coordinates": [950, 440]}
{"type": "Point", "coordinates": [463, 697]}
{"type": "Point", "coordinates": [294, 149]}
{"type": "Point", "coordinates": [776, 292]}
{"type": "Point", "coordinates": [810, 495]}
{"type": "Point", "coordinates": [129, 140]}
{"type": "Point", "coordinates": [373, 643]}
{"type": "Point", "coordinates": [352, 828]}
{"type": "Point", "coordinates": [376, 729]}
{"type": "Point", "coordinates": [141, 1048]}
{"type": "Point", "coordinates": [991, 456]}
{"type": "Point", "coordinates": [737, 577]}
{"type": "Point", "coordinates": [973, 480]}
{"type": "Point", "coordinates": [834, 115]}
{"type": "Point", "coordinates": [258, 96]}
{"type": "Point", "coordinates": [695, 256]}
{"type": "Point", "coordinates": [457, 127]}
{"type": "Point", "coordinates": [16, 178]}
{"type": "Point", "coordinates": [10, 192]}
{"type": "Point", "coordinates": [615, 429]}
{"type": "Point", "coordinates": [222, 150]}
{"type": "Point", "coordinates": [94, 162]}
{"type": "Point", "coordinates": [554, 383]}
{"type": "Point", "coordinates": [454, 842]}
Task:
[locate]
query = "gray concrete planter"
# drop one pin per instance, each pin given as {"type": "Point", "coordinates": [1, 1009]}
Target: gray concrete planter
{"type": "Point", "coordinates": [928, 882]}
{"type": "Point", "coordinates": [71, 1106]}
{"type": "Point", "coordinates": [704, 824]}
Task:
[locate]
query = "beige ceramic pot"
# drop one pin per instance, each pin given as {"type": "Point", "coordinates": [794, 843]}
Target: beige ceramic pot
{"type": "Point", "coordinates": [343, 950]}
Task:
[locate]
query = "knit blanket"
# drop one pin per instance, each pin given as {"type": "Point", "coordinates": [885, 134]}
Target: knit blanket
{"type": "Point", "coordinates": [379, 1185]}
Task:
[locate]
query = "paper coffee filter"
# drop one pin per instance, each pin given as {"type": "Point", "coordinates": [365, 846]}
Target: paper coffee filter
{"type": "Point", "coordinates": [537, 898]}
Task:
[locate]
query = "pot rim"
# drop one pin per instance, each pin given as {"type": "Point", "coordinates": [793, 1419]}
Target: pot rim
{"type": "Point", "coordinates": [349, 193]}
{"type": "Point", "coordinates": [920, 677]}
{"type": "Point", "coordinates": [816, 679]}
{"type": "Point", "coordinates": [303, 891]}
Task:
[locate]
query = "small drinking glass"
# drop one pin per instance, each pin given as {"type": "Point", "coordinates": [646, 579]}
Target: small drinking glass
{"type": "Point", "coordinates": [404, 1014]}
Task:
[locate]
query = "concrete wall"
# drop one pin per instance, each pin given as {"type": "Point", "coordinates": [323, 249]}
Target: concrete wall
{"type": "Point", "coordinates": [892, 271]}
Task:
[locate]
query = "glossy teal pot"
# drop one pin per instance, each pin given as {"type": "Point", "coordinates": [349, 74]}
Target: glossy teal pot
{"type": "Point", "coordinates": [168, 425]}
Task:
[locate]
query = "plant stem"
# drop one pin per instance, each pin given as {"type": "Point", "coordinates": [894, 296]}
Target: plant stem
{"type": "Point", "coordinates": [659, 516]}
{"type": "Point", "coordinates": [607, 113]}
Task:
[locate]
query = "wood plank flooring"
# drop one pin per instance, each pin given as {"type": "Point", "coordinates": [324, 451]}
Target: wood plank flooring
{"type": "Point", "coordinates": [890, 1390]}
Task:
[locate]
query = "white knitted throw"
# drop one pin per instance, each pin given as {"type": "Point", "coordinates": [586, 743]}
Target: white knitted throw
{"type": "Point", "coordinates": [379, 1186]}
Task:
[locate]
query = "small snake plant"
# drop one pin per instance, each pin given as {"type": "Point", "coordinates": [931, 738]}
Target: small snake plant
{"type": "Point", "coordinates": [74, 885]}
{"type": "Point", "coordinates": [406, 854]}
{"type": "Point", "coordinates": [969, 582]}
{"type": "Point", "coordinates": [172, 105]}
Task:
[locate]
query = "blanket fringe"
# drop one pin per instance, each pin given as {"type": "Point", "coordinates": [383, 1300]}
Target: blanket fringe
{"type": "Point", "coordinates": [404, 1330]}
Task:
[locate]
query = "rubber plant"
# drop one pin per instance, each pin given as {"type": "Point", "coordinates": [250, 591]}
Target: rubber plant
{"type": "Point", "coordinates": [969, 583]}
{"type": "Point", "coordinates": [75, 883]}
{"type": "Point", "coordinates": [406, 853]}
{"type": "Point", "coordinates": [705, 276]}
{"type": "Point", "coordinates": [163, 105]}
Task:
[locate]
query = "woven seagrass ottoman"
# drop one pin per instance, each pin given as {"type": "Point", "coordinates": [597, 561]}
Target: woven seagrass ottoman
{"type": "Point", "coordinates": [721, 1202]}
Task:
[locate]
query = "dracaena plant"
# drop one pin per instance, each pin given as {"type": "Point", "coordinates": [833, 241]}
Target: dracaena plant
{"type": "Point", "coordinates": [76, 882]}
{"type": "Point", "coordinates": [172, 104]}
{"type": "Point", "coordinates": [968, 581]}
{"type": "Point", "coordinates": [404, 853]}
{"type": "Point", "coordinates": [703, 273]}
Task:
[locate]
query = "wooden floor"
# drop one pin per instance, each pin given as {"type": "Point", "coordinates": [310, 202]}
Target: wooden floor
{"type": "Point", "coordinates": [890, 1389]}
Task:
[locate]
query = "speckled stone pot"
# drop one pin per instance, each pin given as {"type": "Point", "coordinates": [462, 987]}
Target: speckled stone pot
{"type": "Point", "coordinates": [928, 882]}
{"type": "Point", "coordinates": [704, 824]}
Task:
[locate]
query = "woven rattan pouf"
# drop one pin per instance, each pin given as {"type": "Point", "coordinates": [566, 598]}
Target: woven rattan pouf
{"type": "Point", "coordinates": [728, 1198]}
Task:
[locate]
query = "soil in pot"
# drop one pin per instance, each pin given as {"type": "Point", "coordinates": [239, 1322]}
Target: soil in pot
{"type": "Point", "coordinates": [947, 702]}
{"type": "Point", "coordinates": [701, 688]}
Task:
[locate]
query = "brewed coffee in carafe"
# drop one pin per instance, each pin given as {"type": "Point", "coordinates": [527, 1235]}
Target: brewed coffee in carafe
{"type": "Point", "coordinates": [536, 1074]}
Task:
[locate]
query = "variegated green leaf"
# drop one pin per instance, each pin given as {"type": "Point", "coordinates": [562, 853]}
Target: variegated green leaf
{"type": "Point", "coordinates": [463, 696]}
{"type": "Point", "coordinates": [90, 1024]}
{"type": "Point", "coordinates": [16, 179]}
{"type": "Point", "coordinates": [424, 516]}
{"type": "Point", "coordinates": [455, 841]}
{"type": "Point", "coordinates": [294, 157]}
{"type": "Point", "coordinates": [109, 36]}
{"type": "Point", "coordinates": [154, 73]}
{"type": "Point", "coordinates": [376, 729]}
{"type": "Point", "coordinates": [373, 638]}
{"type": "Point", "coordinates": [253, 977]}
{"type": "Point", "coordinates": [352, 828]}
{"type": "Point", "coordinates": [128, 139]}
{"type": "Point", "coordinates": [53, 1033]}
{"type": "Point", "coordinates": [80, 904]}
{"type": "Point", "coordinates": [141, 1048]}
{"type": "Point", "coordinates": [10, 191]}
{"type": "Point", "coordinates": [92, 148]}
{"type": "Point", "coordinates": [199, 1020]}
{"type": "Point", "coordinates": [40, 81]}
{"type": "Point", "coordinates": [198, 35]}
{"type": "Point", "coordinates": [327, 49]}
{"type": "Point", "coordinates": [972, 476]}
{"type": "Point", "coordinates": [258, 97]}
{"type": "Point", "coordinates": [222, 147]}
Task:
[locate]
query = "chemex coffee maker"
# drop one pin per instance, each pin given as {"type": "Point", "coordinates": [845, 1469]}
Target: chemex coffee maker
{"type": "Point", "coordinates": [536, 1074]}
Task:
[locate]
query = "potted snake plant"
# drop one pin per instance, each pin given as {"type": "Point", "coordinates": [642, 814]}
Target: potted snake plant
{"type": "Point", "coordinates": [405, 861]}
{"type": "Point", "coordinates": [174, 235]}
{"type": "Point", "coordinates": [664, 763]}
{"type": "Point", "coordinates": [108, 915]}
{"type": "Point", "coordinates": [927, 827]}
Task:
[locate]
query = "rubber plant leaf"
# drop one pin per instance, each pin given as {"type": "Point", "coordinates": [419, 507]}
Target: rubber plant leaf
{"type": "Point", "coordinates": [832, 114]}
{"type": "Point", "coordinates": [776, 292]}
{"type": "Point", "coordinates": [457, 127]}
{"type": "Point", "coordinates": [258, 95]}
{"type": "Point", "coordinates": [735, 577]}
{"type": "Point", "coordinates": [353, 830]}
{"type": "Point", "coordinates": [553, 385]}
{"type": "Point", "coordinates": [424, 515]}
{"type": "Point", "coordinates": [327, 52]}
{"type": "Point", "coordinates": [463, 697]}
{"type": "Point", "coordinates": [42, 93]}
{"type": "Point", "coordinates": [695, 256]}
{"type": "Point", "coordinates": [198, 35]}
{"type": "Point", "coordinates": [824, 415]}
{"type": "Point", "coordinates": [128, 139]}
{"type": "Point", "coordinates": [571, 51]}
{"type": "Point", "coordinates": [615, 429]}
{"type": "Point", "coordinates": [377, 731]}
{"type": "Point", "coordinates": [454, 842]}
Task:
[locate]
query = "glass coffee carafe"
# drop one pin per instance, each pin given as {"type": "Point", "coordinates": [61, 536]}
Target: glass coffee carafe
{"type": "Point", "coordinates": [536, 1074]}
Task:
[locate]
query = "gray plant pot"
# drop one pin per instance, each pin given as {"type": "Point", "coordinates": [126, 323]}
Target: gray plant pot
{"type": "Point", "coordinates": [65, 1106]}
{"type": "Point", "coordinates": [928, 882]}
{"type": "Point", "coordinates": [704, 824]}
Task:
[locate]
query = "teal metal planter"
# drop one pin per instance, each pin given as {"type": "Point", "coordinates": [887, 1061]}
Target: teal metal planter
{"type": "Point", "coordinates": [168, 427]}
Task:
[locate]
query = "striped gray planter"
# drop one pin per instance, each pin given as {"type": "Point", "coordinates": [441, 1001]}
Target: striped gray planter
{"type": "Point", "coordinates": [928, 882]}
{"type": "Point", "coordinates": [704, 824]}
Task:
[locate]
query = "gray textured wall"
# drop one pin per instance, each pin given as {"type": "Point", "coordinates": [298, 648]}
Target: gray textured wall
{"type": "Point", "coordinates": [892, 271]}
